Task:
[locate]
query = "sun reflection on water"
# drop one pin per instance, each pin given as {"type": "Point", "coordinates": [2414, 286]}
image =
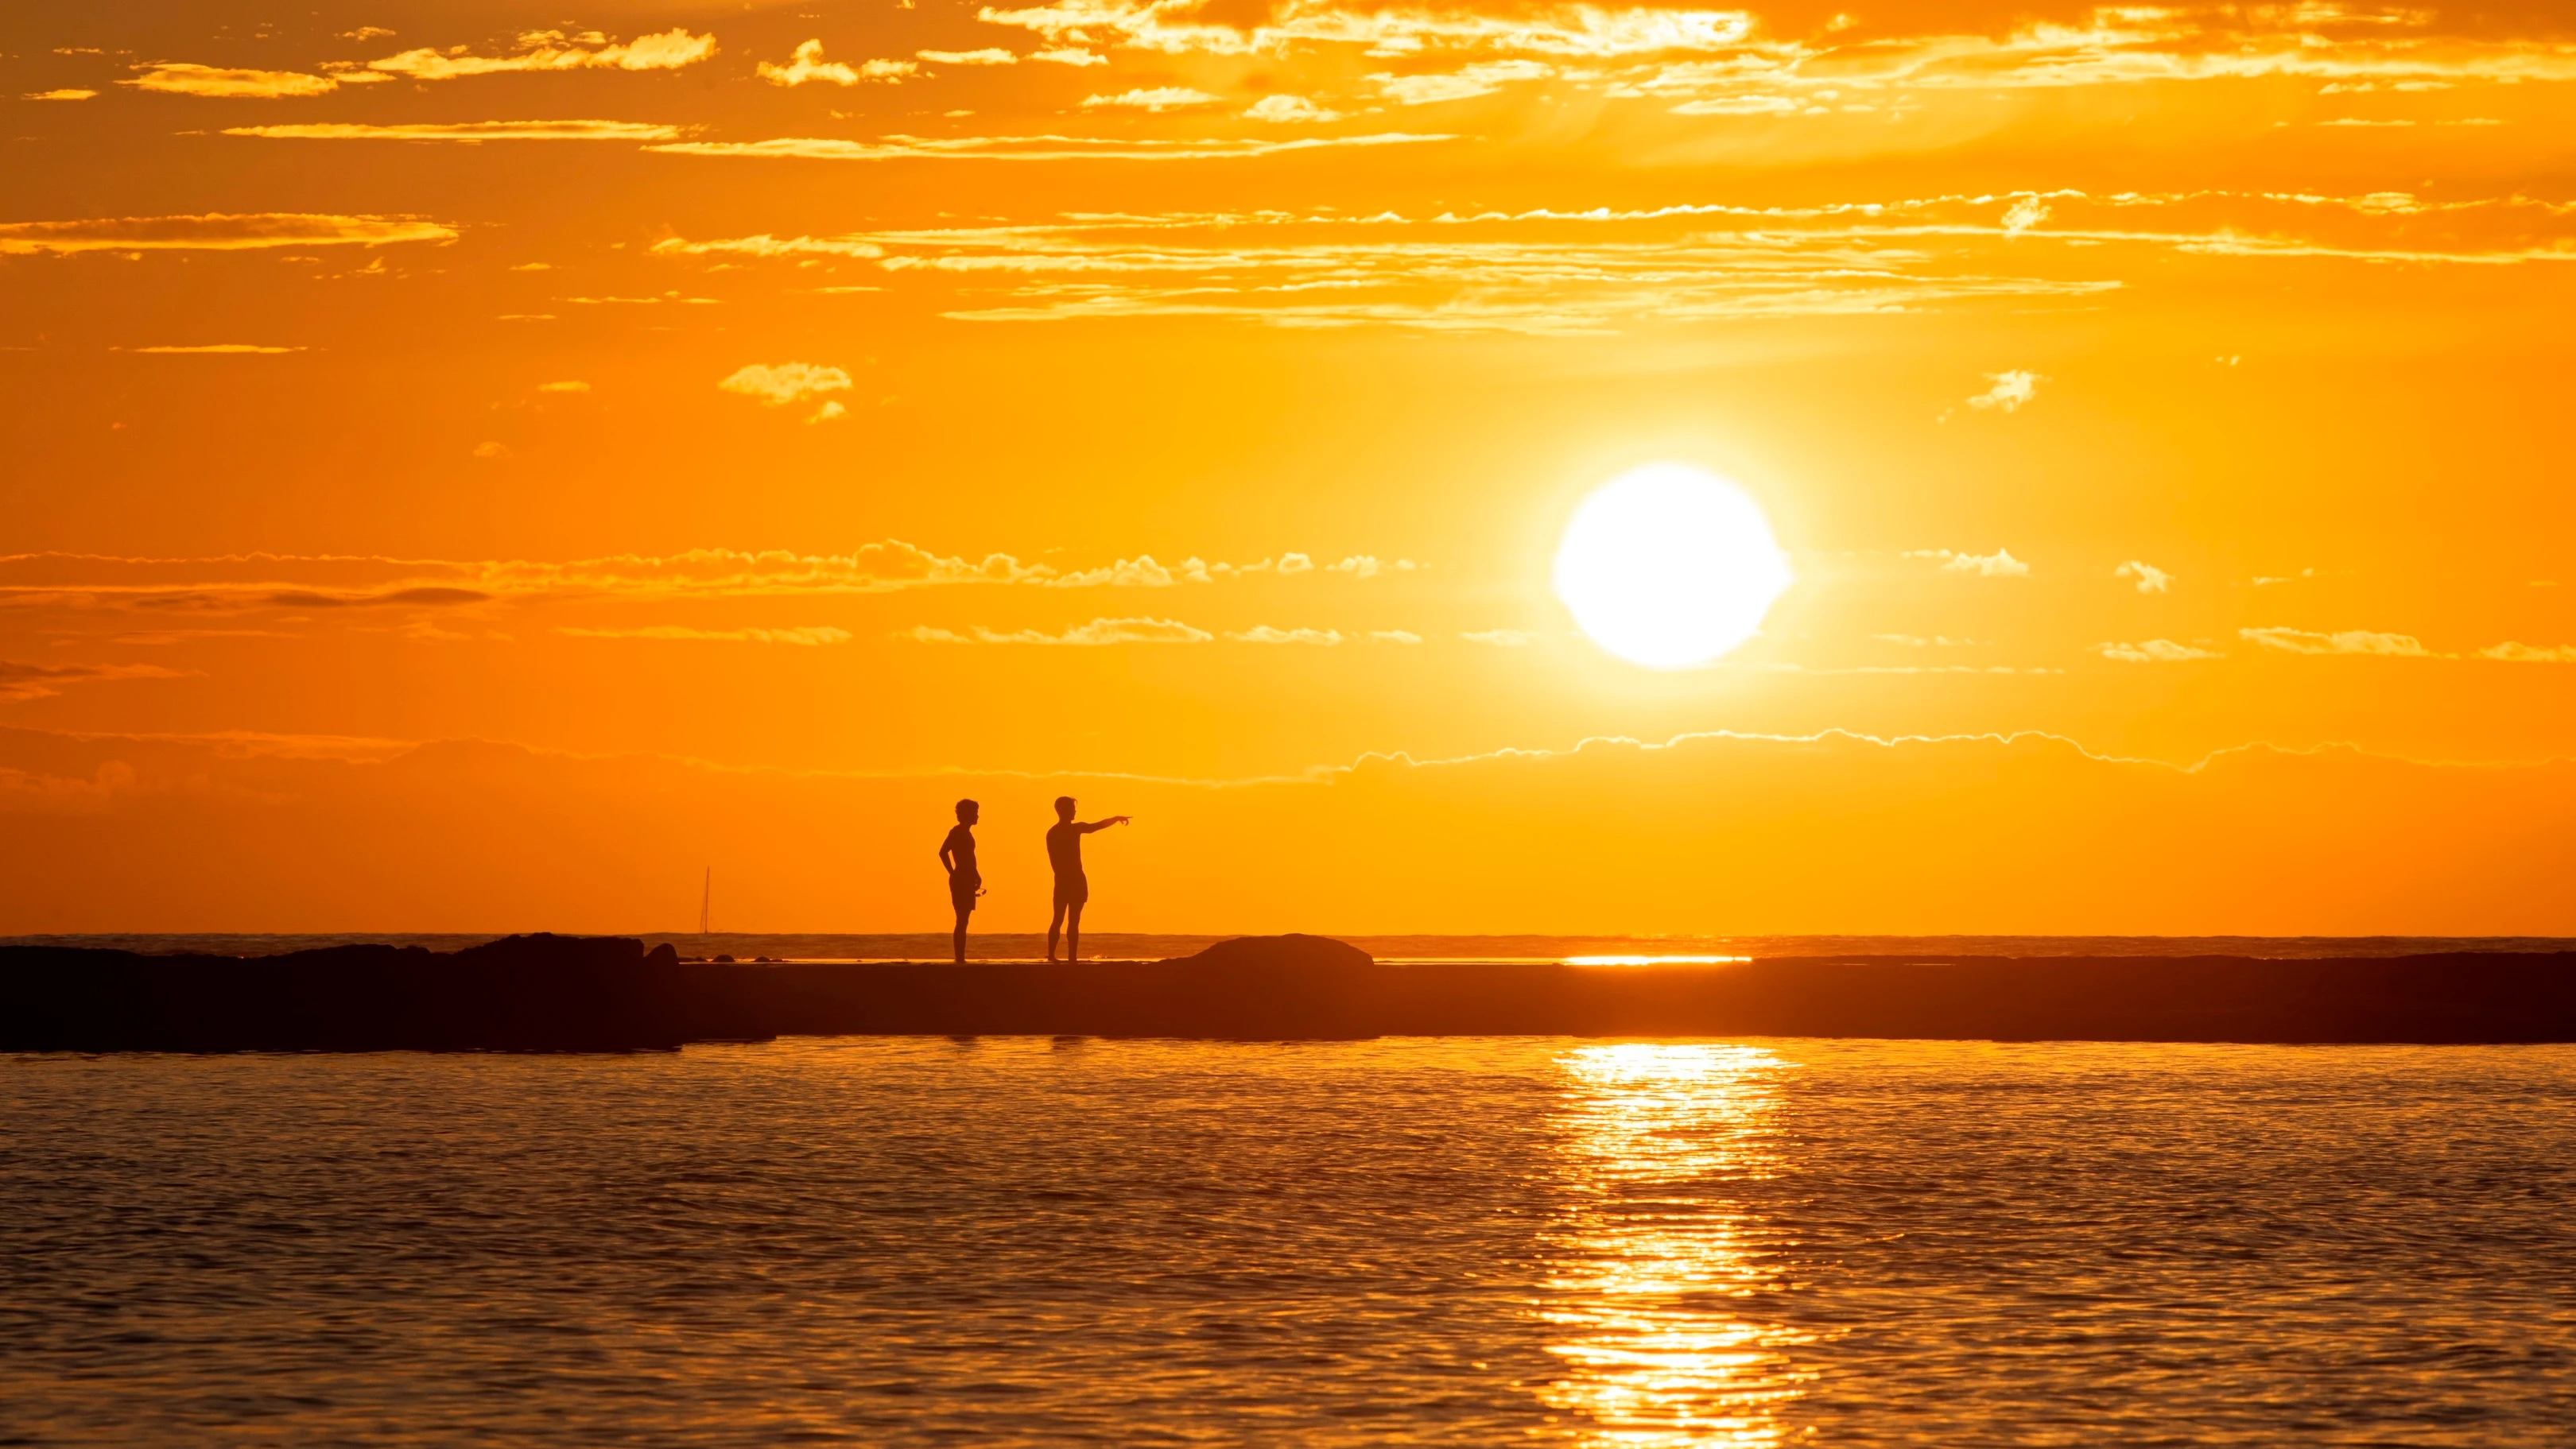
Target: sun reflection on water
{"type": "Point", "coordinates": [1659, 1268]}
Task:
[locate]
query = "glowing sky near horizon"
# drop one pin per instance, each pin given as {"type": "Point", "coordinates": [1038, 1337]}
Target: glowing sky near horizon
{"type": "Point", "coordinates": [867, 392]}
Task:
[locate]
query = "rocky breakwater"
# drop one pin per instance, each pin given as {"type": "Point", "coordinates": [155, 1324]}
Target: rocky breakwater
{"type": "Point", "coordinates": [521, 993]}
{"type": "Point", "coordinates": [1306, 987]}
{"type": "Point", "coordinates": [563, 993]}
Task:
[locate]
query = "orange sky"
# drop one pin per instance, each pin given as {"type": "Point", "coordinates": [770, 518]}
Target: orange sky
{"type": "Point", "coordinates": [759, 424]}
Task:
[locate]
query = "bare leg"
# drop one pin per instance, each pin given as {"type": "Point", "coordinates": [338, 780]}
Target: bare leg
{"type": "Point", "coordinates": [959, 940]}
{"type": "Point", "coordinates": [1072, 932]}
{"type": "Point", "coordinates": [1055, 925]}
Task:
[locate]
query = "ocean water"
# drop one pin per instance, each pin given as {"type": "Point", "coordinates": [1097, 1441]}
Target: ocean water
{"type": "Point", "coordinates": [1466, 1241]}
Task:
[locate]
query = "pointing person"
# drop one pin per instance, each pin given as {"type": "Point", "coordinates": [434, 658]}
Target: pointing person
{"type": "Point", "coordinates": [957, 853]}
{"type": "Point", "coordinates": [1072, 889]}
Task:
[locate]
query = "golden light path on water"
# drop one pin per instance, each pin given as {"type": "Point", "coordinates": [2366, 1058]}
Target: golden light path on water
{"type": "Point", "coordinates": [1658, 1275]}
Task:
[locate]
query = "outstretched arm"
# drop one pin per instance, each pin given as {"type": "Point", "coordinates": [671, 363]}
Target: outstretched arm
{"type": "Point", "coordinates": [1102, 824]}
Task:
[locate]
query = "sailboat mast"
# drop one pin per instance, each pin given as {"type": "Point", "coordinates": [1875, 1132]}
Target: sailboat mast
{"type": "Point", "coordinates": [706, 900]}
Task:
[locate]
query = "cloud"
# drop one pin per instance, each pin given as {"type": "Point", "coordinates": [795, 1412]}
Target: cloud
{"type": "Point", "coordinates": [1070, 55]}
{"type": "Point", "coordinates": [1158, 99]}
{"type": "Point", "coordinates": [2153, 651]}
{"type": "Point", "coordinates": [66, 580]}
{"type": "Point", "coordinates": [2151, 580]}
{"type": "Point", "coordinates": [1289, 110]}
{"type": "Point", "coordinates": [563, 387]}
{"type": "Point", "coordinates": [1201, 571]}
{"type": "Point", "coordinates": [1097, 633]}
{"type": "Point", "coordinates": [779, 384]}
{"type": "Point", "coordinates": [366, 33]}
{"type": "Point", "coordinates": [2513, 653]}
{"type": "Point", "coordinates": [808, 64]}
{"type": "Point", "coordinates": [993, 55]}
{"type": "Point", "coordinates": [1555, 271]}
{"type": "Point", "coordinates": [222, 347]}
{"type": "Point", "coordinates": [2351, 641]}
{"type": "Point", "coordinates": [489, 451]}
{"type": "Point", "coordinates": [1369, 565]}
{"type": "Point", "coordinates": [2025, 212]}
{"type": "Point", "coordinates": [1029, 148]}
{"type": "Point", "coordinates": [1264, 634]}
{"type": "Point", "coordinates": [1505, 638]}
{"type": "Point", "coordinates": [814, 634]}
{"type": "Point", "coordinates": [421, 597]}
{"type": "Point", "coordinates": [1997, 565]}
{"type": "Point", "coordinates": [179, 78]}
{"type": "Point", "coordinates": [466, 131]}
{"type": "Point", "coordinates": [1463, 84]}
{"type": "Point", "coordinates": [66, 94]}
{"type": "Point", "coordinates": [215, 232]}
{"type": "Point", "coordinates": [1534, 273]}
{"type": "Point", "coordinates": [20, 681]}
{"type": "Point", "coordinates": [551, 50]}
{"type": "Point", "coordinates": [2010, 390]}
{"type": "Point", "coordinates": [665, 298]}
{"type": "Point", "coordinates": [766, 245]}
{"type": "Point", "coordinates": [1570, 30]}
{"type": "Point", "coordinates": [36, 793]}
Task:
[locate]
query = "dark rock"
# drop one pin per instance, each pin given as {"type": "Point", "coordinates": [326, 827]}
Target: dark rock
{"type": "Point", "coordinates": [521, 993]}
{"type": "Point", "coordinates": [1291, 951]}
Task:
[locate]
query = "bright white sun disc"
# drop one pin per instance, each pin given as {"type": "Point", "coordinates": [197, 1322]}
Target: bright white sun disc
{"type": "Point", "coordinates": [1669, 566]}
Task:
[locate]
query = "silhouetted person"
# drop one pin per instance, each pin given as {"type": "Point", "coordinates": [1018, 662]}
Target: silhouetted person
{"type": "Point", "coordinates": [957, 852]}
{"type": "Point", "coordinates": [1072, 889]}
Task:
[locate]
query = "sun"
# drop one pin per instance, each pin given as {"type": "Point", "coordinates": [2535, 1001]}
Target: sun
{"type": "Point", "coordinates": [1669, 566]}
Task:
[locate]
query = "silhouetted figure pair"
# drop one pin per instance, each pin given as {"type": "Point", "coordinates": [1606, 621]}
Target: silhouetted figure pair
{"type": "Point", "coordinates": [1064, 852]}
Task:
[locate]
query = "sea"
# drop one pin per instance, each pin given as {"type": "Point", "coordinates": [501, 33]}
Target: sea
{"type": "Point", "coordinates": [1461, 1241]}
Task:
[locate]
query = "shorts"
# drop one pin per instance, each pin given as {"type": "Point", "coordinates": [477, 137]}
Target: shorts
{"type": "Point", "coordinates": [962, 890]}
{"type": "Point", "coordinates": [1072, 890]}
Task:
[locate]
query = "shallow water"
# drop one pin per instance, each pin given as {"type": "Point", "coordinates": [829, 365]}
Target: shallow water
{"type": "Point", "coordinates": [897, 1241]}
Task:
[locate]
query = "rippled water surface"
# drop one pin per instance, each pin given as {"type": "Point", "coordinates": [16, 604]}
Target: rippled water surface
{"type": "Point", "coordinates": [1469, 1241]}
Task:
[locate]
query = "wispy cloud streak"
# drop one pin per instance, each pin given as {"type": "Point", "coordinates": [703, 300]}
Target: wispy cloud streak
{"type": "Point", "coordinates": [1032, 148]}
{"type": "Point", "coordinates": [1573, 271]}
{"type": "Point", "coordinates": [217, 232]}
{"type": "Point", "coordinates": [67, 580]}
{"type": "Point", "coordinates": [468, 132]}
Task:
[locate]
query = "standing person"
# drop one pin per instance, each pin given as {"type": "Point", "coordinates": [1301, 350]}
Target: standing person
{"type": "Point", "coordinates": [957, 853]}
{"type": "Point", "coordinates": [1072, 889]}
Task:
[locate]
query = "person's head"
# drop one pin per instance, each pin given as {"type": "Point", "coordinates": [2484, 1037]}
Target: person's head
{"type": "Point", "coordinates": [1064, 807]}
{"type": "Point", "coordinates": [966, 812]}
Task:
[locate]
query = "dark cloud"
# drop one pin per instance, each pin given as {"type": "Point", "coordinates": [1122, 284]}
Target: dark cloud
{"type": "Point", "coordinates": [20, 680]}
